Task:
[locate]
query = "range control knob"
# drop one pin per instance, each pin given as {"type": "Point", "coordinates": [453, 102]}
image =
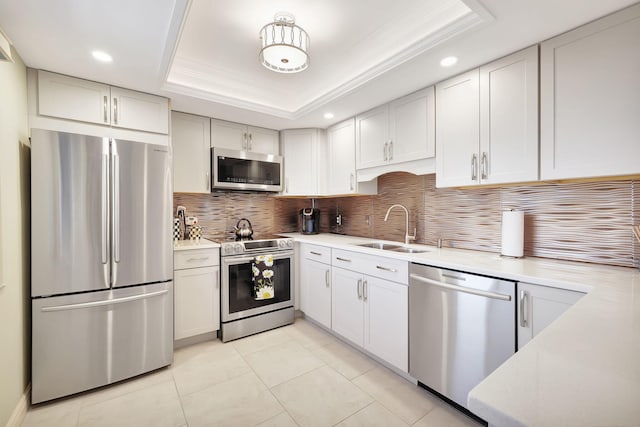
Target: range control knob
{"type": "Point", "coordinates": [228, 249]}
{"type": "Point", "coordinates": [290, 243]}
{"type": "Point", "coordinates": [282, 244]}
{"type": "Point", "coordinates": [237, 248]}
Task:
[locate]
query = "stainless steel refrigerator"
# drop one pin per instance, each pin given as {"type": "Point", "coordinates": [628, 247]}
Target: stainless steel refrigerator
{"type": "Point", "coordinates": [101, 261]}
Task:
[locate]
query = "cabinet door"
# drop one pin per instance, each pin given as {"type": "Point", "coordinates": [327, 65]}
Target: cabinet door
{"type": "Point", "coordinates": [539, 306]}
{"type": "Point", "coordinates": [509, 119]}
{"type": "Point", "coordinates": [347, 310]}
{"type": "Point", "coordinates": [74, 99]}
{"type": "Point", "coordinates": [140, 111]}
{"type": "Point", "coordinates": [299, 149]}
{"type": "Point", "coordinates": [228, 135]}
{"type": "Point", "coordinates": [458, 130]}
{"type": "Point", "coordinates": [191, 140]}
{"type": "Point", "coordinates": [197, 301]}
{"type": "Point", "coordinates": [315, 291]}
{"type": "Point", "coordinates": [590, 99]}
{"type": "Point", "coordinates": [342, 158]}
{"type": "Point", "coordinates": [412, 127]}
{"type": "Point", "coordinates": [372, 138]}
{"type": "Point", "coordinates": [386, 324]}
{"type": "Point", "coordinates": [263, 140]}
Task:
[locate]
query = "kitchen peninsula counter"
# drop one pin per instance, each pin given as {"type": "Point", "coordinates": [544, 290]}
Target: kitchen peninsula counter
{"type": "Point", "coordinates": [582, 370]}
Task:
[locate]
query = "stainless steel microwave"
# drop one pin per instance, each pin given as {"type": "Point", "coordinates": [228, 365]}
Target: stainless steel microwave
{"type": "Point", "coordinates": [243, 170]}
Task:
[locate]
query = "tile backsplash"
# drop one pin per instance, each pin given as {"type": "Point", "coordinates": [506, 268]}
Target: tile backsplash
{"type": "Point", "coordinates": [573, 221]}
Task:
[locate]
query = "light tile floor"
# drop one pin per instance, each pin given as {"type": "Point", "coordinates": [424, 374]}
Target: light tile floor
{"type": "Point", "coordinates": [298, 375]}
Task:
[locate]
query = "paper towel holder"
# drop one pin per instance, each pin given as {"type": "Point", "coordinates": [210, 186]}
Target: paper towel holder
{"type": "Point", "coordinates": [512, 239]}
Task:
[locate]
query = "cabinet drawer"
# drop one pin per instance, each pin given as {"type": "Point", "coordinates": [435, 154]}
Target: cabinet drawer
{"type": "Point", "coordinates": [194, 258]}
{"type": "Point", "coordinates": [377, 266]}
{"type": "Point", "coordinates": [316, 253]}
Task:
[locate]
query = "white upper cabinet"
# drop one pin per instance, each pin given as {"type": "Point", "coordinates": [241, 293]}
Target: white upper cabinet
{"type": "Point", "coordinates": [509, 119]}
{"type": "Point", "coordinates": [341, 139]}
{"type": "Point", "coordinates": [136, 110]}
{"type": "Point", "coordinates": [191, 146]}
{"type": "Point", "coordinates": [458, 130]}
{"type": "Point", "coordinates": [396, 133]}
{"type": "Point", "coordinates": [80, 100]}
{"type": "Point", "coordinates": [487, 123]}
{"type": "Point", "coordinates": [304, 152]}
{"type": "Point", "coordinates": [236, 136]}
{"type": "Point", "coordinates": [412, 127]}
{"type": "Point", "coordinates": [590, 99]}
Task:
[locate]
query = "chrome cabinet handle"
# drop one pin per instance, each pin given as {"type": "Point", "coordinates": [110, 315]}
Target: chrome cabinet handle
{"type": "Point", "coordinates": [105, 108]}
{"type": "Point", "coordinates": [326, 278]}
{"type": "Point", "coordinates": [206, 181]}
{"type": "Point", "coordinates": [365, 291]}
{"type": "Point", "coordinates": [485, 166]}
{"type": "Point", "coordinates": [115, 110]}
{"type": "Point", "coordinates": [390, 150]}
{"type": "Point", "coordinates": [393, 270]}
{"type": "Point", "coordinates": [359, 288]}
{"type": "Point", "coordinates": [204, 258]}
{"type": "Point", "coordinates": [315, 253]}
{"type": "Point", "coordinates": [343, 259]}
{"type": "Point", "coordinates": [474, 167]}
{"type": "Point", "coordinates": [524, 296]}
{"type": "Point", "coordinates": [245, 144]}
{"type": "Point", "coordinates": [250, 142]}
{"type": "Point", "coordinates": [217, 281]}
{"type": "Point", "coordinates": [386, 146]}
{"type": "Point", "coordinates": [351, 179]}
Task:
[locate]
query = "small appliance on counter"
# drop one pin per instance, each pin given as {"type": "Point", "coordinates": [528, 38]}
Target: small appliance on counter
{"type": "Point", "coordinates": [310, 219]}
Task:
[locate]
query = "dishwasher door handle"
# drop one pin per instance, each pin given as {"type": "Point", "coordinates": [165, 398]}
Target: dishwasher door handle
{"type": "Point", "coordinates": [466, 290]}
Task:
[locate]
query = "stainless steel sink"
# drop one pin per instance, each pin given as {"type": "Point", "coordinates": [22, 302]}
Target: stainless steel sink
{"type": "Point", "coordinates": [380, 245]}
{"type": "Point", "coordinates": [392, 247]}
{"type": "Point", "coordinates": [407, 250]}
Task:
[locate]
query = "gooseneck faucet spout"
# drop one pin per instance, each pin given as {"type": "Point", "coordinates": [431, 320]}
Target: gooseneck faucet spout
{"type": "Point", "coordinates": [407, 236]}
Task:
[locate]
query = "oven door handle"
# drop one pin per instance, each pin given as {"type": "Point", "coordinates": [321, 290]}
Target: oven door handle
{"type": "Point", "coordinates": [231, 260]}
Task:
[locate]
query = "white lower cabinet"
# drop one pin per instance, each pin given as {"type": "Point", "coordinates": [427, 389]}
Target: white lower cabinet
{"type": "Point", "coordinates": [196, 293]}
{"type": "Point", "coordinates": [315, 283]}
{"type": "Point", "coordinates": [369, 311]}
{"type": "Point", "coordinates": [539, 306]}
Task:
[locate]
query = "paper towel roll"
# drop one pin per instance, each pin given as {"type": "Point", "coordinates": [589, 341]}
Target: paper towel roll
{"type": "Point", "coordinates": [513, 233]}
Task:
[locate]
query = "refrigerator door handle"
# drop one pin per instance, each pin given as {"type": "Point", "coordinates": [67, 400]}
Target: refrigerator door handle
{"type": "Point", "coordinates": [67, 307]}
{"type": "Point", "coordinates": [116, 204]}
{"type": "Point", "coordinates": [105, 205]}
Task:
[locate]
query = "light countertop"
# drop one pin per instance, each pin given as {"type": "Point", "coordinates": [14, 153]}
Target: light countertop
{"type": "Point", "coordinates": [185, 245]}
{"type": "Point", "coordinates": [582, 370]}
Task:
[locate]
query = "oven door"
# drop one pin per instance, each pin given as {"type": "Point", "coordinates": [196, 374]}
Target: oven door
{"type": "Point", "coordinates": [237, 288]}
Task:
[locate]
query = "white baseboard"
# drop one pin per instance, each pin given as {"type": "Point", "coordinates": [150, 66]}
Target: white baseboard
{"type": "Point", "coordinates": [20, 411]}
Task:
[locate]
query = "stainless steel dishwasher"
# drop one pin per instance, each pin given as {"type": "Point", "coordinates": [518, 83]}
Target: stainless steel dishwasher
{"type": "Point", "coordinates": [461, 327]}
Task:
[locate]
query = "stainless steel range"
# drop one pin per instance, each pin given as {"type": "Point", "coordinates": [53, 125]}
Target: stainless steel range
{"type": "Point", "coordinates": [243, 312]}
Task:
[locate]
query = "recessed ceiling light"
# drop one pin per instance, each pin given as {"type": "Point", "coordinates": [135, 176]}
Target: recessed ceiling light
{"type": "Point", "coordinates": [328, 115]}
{"type": "Point", "coordinates": [448, 61]}
{"type": "Point", "coordinates": [101, 56]}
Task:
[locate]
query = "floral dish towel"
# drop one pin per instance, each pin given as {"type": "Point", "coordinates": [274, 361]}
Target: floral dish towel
{"type": "Point", "coordinates": [262, 269]}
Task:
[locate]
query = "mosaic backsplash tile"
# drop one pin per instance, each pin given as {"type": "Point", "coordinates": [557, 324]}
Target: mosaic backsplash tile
{"type": "Point", "coordinates": [574, 221]}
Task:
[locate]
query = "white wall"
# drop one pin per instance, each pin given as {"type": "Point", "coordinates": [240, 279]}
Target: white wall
{"type": "Point", "coordinates": [14, 236]}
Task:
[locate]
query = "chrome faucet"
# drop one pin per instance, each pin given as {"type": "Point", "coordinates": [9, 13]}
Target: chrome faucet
{"type": "Point", "coordinates": [407, 236]}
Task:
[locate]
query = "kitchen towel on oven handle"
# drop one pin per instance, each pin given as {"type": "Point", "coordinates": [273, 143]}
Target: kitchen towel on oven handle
{"type": "Point", "coordinates": [262, 277]}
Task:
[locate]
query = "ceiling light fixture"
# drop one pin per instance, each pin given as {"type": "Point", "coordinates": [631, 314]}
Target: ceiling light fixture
{"type": "Point", "coordinates": [284, 45]}
{"type": "Point", "coordinates": [448, 61]}
{"type": "Point", "coordinates": [101, 56]}
{"type": "Point", "coordinates": [328, 115]}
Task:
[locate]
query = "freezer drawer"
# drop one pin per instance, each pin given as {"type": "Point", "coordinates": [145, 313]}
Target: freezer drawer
{"type": "Point", "coordinates": [89, 340]}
